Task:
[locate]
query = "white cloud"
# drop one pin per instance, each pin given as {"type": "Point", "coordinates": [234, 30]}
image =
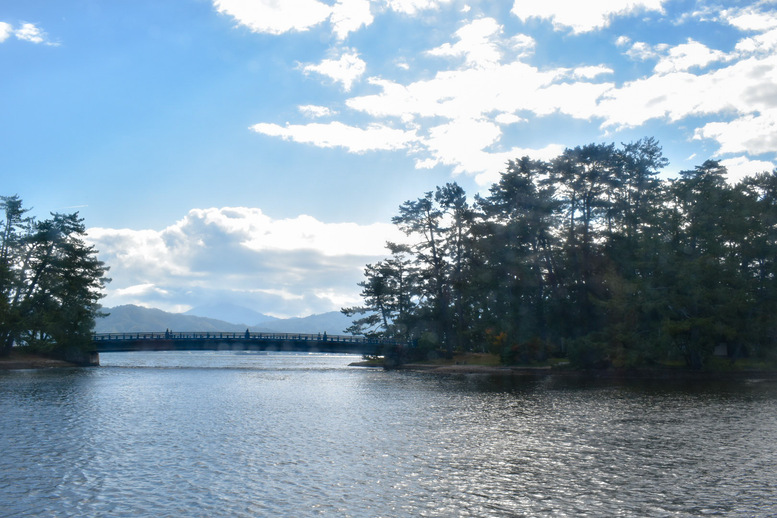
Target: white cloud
{"type": "Point", "coordinates": [345, 16]}
{"type": "Point", "coordinates": [414, 6]}
{"type": "Point", "coordinates": [450, 93]}
{"type": "Point", "coordinates": [477, 44]}
{"type": "Point", "coordinates": [336, 134]}
{"type": "Point", "coordinates": [751, 20]}
{"type": "Point", "coordinates": [491, 175]}
{"type": "Point", "coordinates": [641, 51]}
{"type": "Point", "coordinates": [741, 167]}
{"type": "Point", "coordinates": [280, 293]}
{"type": "Point", "coordinates": [138, 250]}
{"type": "Point", "coordinates": [579, 100]}
{"type": "Point", "coordinates": [738, 91]}
{"type": "Point", "coordinates": [464, 145]}
{"type": "Point", "coordinates": [456, 116]}
{"type": "Point", "coordinates": [465, 134]}
{"type": "Point", "coordinates": [523, 44]}
{"type": "Point", "coordinates": [686, 56]}
{"type": "Point", "coordinates": [745, 87]}
{"type": "Point", "coordinates": [482, 45]}
{"type": "Point", "coordinates": [754, 134]}
{"type": "Point", "coordinates": [314, 112]}
{"type": "Point", "coordinates": [591, 72]}
{"type": "Point", "coordinates": [349, 15]}
{"type": "Point", "coordinates": [763, 43]}
{"type": "Point", "coordinates": [274, 17]}
{"type": "Point", "coordinates": [509, 118]}
{"type": "Point", "coordinates": [461, 142]}
{"type": "Point", "coordinates": [256, 231]}
{"type": "Point", "coordinates": [6, 29]}
{"type": "Point", "coordinates": [140, 290]}
{"type": "Point", "coordinates": [291, 267]}
{"type": "Point", "coordinates": [582, 16]}
{"type": "Point", "coordinates": [347, 69]}
{"type": "Point", "coordinates": [670, 96]}
{"type": "Point", "coordinates": [27, 32]}
{"type": "Point", "coordinates": [467, 139]}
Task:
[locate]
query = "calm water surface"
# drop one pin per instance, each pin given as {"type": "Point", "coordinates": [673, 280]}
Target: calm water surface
{"type": "Point", "coordinates": [243, 435]}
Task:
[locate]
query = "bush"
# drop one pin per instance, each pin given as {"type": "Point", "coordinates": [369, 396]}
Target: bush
{"type": "Point", "coordinates": [530, 351]}
{"type": "Point", "coordinates": [588, 353]}
{"type": "Point", "coordinates": [427, 348]}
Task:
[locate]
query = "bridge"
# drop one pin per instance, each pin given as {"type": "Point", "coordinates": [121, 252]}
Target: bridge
{"type": "Point", "coordinates": [210, 341]}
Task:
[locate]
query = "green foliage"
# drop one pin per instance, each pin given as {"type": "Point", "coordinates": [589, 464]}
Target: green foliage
{"type": "Point", "coordinates": [50, 282]}
{"type": "Point", "coordinates": [428, 346]}
{"type": "Point", "coordinates": [591, 251]}
{"type": "Point", "coordinates": [588, 353]}
{"type": "Point", "coordinates": [525, 353]}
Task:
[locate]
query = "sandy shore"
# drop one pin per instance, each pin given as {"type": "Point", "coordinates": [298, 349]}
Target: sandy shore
{"type": "Point", "coordinates": [30, 361]}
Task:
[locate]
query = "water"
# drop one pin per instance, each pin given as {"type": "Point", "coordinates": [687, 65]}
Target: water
{"type": "Point", "coordinates": [243, 435]}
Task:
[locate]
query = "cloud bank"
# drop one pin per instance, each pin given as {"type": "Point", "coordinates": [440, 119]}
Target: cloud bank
{"type": "Point", "coordinates": [486, 85]}
{"type": "Point", "coordinates": [281, 267]}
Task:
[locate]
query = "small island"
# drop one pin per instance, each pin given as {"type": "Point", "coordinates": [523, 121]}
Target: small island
{"type": "Point", "coordinates": [592, 260]}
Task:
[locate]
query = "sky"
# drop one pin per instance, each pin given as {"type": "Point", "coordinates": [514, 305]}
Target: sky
{"type": "Point", "coordinates": [254, 152]}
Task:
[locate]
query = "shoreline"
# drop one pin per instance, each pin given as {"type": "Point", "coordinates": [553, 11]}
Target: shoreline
{"type": "Point", "coordinates": [24, 361]}
{"type": "Point", "coordinates": [615, 374]}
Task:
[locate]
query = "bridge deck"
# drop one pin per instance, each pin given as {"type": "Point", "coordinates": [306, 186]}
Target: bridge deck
{"type": "Point", "coordinates": [209, 341]}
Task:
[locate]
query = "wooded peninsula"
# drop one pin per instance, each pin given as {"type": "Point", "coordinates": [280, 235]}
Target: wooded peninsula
{"type": "Point", "coordinates": [591, 258]}
{"type": "Point", "coordinates": [50, 284]}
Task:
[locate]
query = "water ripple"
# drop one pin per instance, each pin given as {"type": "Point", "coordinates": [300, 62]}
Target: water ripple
{"type": "Point", "coordinates": [296, 436]}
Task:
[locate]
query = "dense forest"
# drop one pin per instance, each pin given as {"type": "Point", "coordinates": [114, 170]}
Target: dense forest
{"type": "Point", "coordinates": [590, 256]}
{"type": "Point", "coordinates": [50, 282]}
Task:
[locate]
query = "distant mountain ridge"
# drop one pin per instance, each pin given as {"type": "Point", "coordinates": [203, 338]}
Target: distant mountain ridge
{"type": "Point", "coordinates": [232, 313]}
{"type": "Point", "coordinates": [135, 319]}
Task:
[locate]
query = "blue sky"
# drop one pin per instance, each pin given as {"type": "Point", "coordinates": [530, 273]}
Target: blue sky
{"type": "Point", "coordinates": [255, 151]}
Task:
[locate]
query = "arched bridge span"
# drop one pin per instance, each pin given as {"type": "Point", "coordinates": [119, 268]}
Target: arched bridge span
{"type": "Point", "coordinates": [210, 341]}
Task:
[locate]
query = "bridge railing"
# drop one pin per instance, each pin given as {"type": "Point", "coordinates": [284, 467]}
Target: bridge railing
{"type": "Point", "coordinates": [205, 335]}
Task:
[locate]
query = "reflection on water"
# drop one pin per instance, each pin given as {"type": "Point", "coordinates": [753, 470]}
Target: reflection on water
{"type": "Point", "coordinates": [221, 434]}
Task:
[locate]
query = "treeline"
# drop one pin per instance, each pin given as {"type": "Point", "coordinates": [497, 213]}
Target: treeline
{"type": "Point", "coordinates": [50, 282]}
{"type": "Point", "coordinates": [590, 256]}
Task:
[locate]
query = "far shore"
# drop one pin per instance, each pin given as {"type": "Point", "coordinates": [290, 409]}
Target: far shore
{"type": "Point", "coordinates": [22, 361]}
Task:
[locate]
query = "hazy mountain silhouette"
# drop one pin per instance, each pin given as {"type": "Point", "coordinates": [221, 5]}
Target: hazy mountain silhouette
{"type": "Point", "coordinates": [229, 312]}
{"type": "Point", "coordinates": [133, 319]}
